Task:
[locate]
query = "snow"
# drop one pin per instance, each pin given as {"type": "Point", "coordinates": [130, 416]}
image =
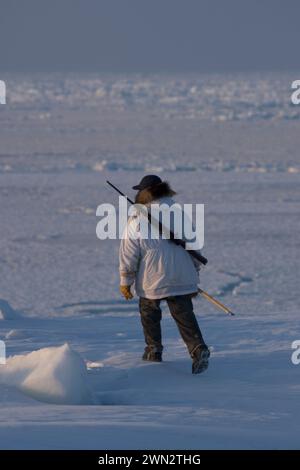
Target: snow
{"type": "Point", "coordinates": [63, 282]}
{"type": "Point", "coordinates": [15, 334]}
{"type": "Point", "coordinates": [53, 375]}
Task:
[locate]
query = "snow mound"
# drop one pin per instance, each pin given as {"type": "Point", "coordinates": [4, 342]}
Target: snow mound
{"type": "Point", "coordinates": [6, 311]}
{"type": "Point", "coordinates": [53, 375]}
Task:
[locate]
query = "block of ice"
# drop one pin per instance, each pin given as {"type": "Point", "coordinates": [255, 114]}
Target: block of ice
{"type": "Point", "coordinates": [53, 375]}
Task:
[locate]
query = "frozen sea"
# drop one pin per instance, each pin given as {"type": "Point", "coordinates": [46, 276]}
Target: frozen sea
{"type": "Point", "coordinates": [230, 142]}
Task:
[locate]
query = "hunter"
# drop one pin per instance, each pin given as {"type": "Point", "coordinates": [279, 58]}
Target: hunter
{"type": "Point", "coordinates": [161, 270]}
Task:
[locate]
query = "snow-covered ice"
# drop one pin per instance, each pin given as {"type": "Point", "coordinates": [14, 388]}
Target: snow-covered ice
{"type": "Point", "coordinates": [15, 334]}
{"type": "Point", "coordinates": [60, 140]}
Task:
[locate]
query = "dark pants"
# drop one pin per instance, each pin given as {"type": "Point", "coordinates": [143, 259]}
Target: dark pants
{"type": "Point", "coordinates": [181, 309]}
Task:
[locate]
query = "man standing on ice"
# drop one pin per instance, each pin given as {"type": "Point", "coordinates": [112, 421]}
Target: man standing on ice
{"type": "Point", "coordinates": [161, 270]}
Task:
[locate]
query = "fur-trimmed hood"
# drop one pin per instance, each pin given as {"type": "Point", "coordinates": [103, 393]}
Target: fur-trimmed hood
{"type": "Point", "coordinates": [148, 195]}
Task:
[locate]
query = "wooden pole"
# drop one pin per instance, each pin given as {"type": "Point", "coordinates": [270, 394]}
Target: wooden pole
{"type": "Point", "coordinates": [215, 301]}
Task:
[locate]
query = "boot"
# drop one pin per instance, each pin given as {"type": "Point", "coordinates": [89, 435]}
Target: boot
{"type": "Point", "coordinates": [200, 356]}
{"type": "Point", "coordinates": [152, 355]}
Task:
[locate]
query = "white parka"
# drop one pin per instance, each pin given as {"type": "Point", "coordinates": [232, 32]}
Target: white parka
{"type": "Point", "coordinates": [157, 267]}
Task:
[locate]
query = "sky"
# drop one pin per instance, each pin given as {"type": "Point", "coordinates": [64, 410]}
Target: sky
{"type": "Point", "coordinates": [149, 35]}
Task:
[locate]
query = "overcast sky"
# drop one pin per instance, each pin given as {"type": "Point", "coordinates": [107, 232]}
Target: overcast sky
{"type": "Point", "coordinates": [149, 35]}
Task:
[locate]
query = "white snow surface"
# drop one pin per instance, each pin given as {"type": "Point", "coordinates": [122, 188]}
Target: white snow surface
{"type": "Point", "coordinates": [74, 377]}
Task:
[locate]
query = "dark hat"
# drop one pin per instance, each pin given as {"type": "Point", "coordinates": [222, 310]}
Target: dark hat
{"type": "Point", "coordinates": [147, 181]}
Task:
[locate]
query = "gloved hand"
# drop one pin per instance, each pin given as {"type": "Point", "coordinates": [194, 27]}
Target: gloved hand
{"type": "Point", "coordinates": [126, 292]}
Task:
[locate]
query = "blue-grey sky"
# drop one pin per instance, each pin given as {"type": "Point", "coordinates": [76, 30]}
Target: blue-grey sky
{"type": "Point", "coordinates": [149, 35]}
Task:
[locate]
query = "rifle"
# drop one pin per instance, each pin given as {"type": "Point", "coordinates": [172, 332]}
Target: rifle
{"type": "Point", "coordinates": [177, 241]}
{"type": "Point", "coordinates": [182, 243]}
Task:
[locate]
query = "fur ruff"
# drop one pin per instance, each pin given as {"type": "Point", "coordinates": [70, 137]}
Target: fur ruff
{"type": "Point", "coordinates": [148, 195]}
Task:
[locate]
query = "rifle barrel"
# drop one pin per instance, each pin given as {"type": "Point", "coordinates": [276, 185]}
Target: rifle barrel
{"type": "Point", "coordinates": [177, 241]}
